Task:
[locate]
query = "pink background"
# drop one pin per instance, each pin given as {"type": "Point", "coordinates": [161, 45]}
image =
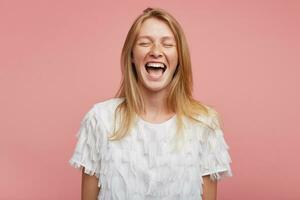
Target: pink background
{"type": "Point", "coordinates": [60, 57]}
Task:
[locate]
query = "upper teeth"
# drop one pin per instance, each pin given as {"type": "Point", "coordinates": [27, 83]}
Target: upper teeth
{"type": "Point", "coordinates": [155, 65]}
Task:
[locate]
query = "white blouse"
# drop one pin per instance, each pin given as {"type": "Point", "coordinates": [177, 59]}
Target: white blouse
{"type": "Point", "coordinates": [147, 164]}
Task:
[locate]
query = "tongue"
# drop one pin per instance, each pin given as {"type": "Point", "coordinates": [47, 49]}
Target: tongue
{"type": "Point", "coordinates": [155, 74]}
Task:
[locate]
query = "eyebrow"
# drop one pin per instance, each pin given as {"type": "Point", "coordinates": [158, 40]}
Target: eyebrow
{"type": "Point", "coordinates": [149, 37]}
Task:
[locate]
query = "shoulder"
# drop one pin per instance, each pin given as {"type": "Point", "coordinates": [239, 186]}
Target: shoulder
{"type": "Point", "coordinates": [215, 119]}
{"type": "Point", "coordinates": [104, 111]}
{"type": "Point", "coordinates": [107, 107]}
{"type": "Point", "coordinates": [210, 116]}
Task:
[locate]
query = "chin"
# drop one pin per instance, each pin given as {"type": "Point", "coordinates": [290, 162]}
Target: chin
{"type": "Point", "coordinates": [155, 88]}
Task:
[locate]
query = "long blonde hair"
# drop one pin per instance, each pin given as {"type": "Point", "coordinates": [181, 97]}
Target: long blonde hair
{"type": "Point", "coordinates": [180, 98]}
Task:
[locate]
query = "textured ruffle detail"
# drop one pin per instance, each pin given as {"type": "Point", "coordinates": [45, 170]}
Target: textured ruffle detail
{"type": "Point", "coordinates": [146, 164]}
{"type": "Point", "coordinates": [91, 142]}
{"type": "Point", "coordinates": [214, 152]}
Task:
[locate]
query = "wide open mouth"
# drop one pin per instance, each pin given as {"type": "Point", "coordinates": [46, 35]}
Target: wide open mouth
{"type": "Point", "coordinates": [155, 67]}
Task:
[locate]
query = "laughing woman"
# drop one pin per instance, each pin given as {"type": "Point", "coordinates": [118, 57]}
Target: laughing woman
{"type": "Point", "coordinates": [154, 140]}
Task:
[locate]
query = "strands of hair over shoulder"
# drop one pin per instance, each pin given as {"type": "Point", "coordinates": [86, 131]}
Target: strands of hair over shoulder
{"type": "Point", "coordinates": [180, 98]}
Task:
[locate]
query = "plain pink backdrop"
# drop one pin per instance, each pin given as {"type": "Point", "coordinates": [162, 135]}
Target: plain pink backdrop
{"type": "Point", "coordinates": [60, 57]}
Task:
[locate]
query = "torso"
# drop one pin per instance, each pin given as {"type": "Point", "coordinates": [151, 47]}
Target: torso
{"type": "Point", "coordinates": [146, 165]}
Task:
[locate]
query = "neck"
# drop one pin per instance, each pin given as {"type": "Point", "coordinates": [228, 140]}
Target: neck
{"type": "Point", "coordinates": [156, 108]}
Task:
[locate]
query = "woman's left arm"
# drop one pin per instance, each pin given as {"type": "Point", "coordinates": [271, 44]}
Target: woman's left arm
{"type": "Point", "coordinates": [209, 188]}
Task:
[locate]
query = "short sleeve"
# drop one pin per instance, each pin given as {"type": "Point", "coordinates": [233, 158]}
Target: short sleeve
{"type": "Point", "coordinates": [87, 152]}
{"type": "Point", "coordinates": [215, 155]}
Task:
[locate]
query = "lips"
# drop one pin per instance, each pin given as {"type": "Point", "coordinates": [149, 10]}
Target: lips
{"type": "Point", "coordinates": [155, 70]}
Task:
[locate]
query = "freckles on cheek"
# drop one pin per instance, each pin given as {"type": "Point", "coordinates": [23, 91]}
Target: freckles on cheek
{"type": "Point", "coordinates": [139, 55]}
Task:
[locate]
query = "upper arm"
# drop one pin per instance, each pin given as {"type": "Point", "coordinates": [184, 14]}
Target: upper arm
{"type": "Point", "coordinates": [209, 188]}
{"type": "Point", "coordinates": [87, 154]}
{"type": "Point", "coordinates": [89, 187]}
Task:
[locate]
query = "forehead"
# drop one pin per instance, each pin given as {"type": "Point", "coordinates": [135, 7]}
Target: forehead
{"type": "Point", "coordinates": [155, 28]}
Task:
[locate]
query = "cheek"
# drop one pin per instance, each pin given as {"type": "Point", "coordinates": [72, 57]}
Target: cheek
{"type": "Point", "coordinates": [138, 55]}
{"type": "Point", "coordinates": [134, 55]}
{"type": "Point", "coordinates": [173, 56]}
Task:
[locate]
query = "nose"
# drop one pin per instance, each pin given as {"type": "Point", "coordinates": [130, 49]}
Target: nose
{"type": "Point", "coordinates": [156, 51]}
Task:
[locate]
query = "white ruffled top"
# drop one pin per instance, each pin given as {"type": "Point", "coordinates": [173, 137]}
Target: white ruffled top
{"type": "Point", "coordinates": [146, 165]}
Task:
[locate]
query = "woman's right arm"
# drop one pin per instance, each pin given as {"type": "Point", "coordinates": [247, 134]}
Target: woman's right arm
{"type": "Point", "coordinates": [89, 187]}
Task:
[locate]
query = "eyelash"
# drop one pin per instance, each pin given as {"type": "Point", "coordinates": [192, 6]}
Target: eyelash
{"type": "Point", "coordinates": [168, 45]}
{"type": "Point", "coordinates": [148, 43]}
{"type": "Point", "coordinates": [144, 43]}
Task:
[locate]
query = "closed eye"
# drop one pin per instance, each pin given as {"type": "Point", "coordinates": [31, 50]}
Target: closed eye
{"type": "Point", "coordinates": [168, 45]}
{"type": "Point", "coordinates": [144, 44]}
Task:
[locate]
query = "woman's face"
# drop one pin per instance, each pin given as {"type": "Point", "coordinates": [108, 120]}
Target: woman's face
{"type": "Point", "coordinates": [155, 55]}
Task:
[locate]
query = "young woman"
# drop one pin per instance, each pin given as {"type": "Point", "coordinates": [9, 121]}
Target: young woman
{"type": "Point", "coordinates": [154, 140]}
